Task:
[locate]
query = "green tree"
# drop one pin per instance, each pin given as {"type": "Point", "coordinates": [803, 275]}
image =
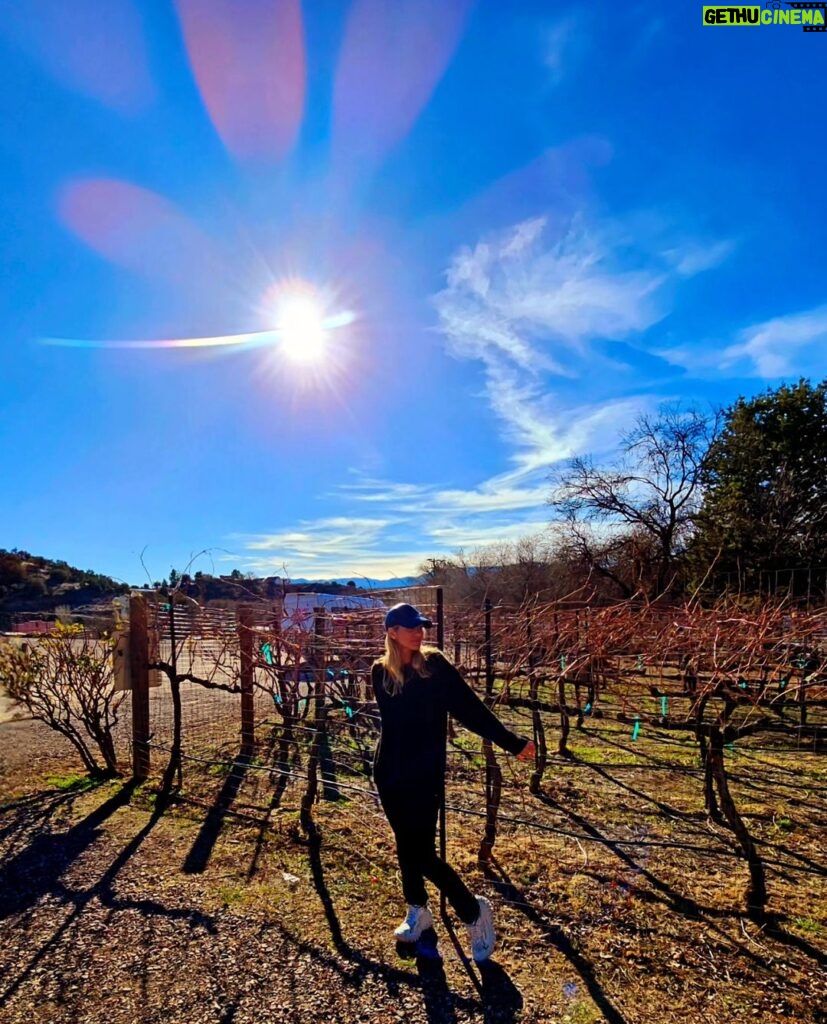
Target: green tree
{"type": "Point", "coordinates": [765, 505]}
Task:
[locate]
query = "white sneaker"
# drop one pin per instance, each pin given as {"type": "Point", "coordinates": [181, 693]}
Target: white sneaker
{"type": "Point", "coordinates": [417, 920]}
{"type": "Point", "coordinates": [481, 933]}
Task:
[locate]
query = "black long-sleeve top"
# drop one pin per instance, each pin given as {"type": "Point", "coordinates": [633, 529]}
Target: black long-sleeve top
{"type": "Point", "coordinates": [411, 748]}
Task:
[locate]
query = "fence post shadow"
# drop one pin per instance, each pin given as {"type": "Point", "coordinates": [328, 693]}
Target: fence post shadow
{"type": "Point", "coordinates": [440, 1002]}
{"type": "Point", "coordinates": [774, 930]}
{"type": "Point", "coordinates": [102, 890]}
{"type": "Point", "coordinates": [501, 1000]}
{"type": "Point", "coordinates": [199, 855]}
{"type": "Point", "coordinates": [51, 854]}
{"type": "Point", "coordinates": [684, 905]}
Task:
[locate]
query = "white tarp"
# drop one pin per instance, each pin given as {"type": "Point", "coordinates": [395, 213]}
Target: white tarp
{"type": "Point", "coordinates": [298, 608]}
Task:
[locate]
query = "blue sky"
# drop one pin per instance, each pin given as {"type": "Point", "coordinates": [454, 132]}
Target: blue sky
{"type": "Point", "coordinates": [524, 223]}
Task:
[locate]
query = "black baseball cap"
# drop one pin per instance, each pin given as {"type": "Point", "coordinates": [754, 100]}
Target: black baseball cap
{"type": "Point", "coordinates": [407, 616]}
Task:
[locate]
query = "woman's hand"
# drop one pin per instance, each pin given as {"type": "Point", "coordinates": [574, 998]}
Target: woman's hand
{"type": "Point", "coordinates": [528, 752]}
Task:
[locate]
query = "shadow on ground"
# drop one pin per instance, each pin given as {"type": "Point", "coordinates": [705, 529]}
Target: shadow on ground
{"type": "Point", "coordinates": [37, 871]}
{"type": "Point", "coordinates": [499, 999]}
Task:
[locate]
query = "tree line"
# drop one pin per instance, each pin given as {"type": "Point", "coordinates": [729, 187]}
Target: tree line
{"type": "Point", "coordinates": [733, 499]}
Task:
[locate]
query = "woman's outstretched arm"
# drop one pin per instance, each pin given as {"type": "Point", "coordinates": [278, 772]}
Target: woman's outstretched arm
{"type": "Point", "coordinates": [471, 712]}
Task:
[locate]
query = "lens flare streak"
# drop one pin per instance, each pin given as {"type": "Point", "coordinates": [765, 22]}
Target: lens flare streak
{"type": "Point", "coordinates": [253, 339]}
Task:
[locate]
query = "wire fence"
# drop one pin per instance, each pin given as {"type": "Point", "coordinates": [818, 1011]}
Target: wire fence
{"type": "Point", "coordinates": [281, 713]}
{"type": "Point", "coordinates": [263, 707]}
{"type": "Point", "coordinates": [642, 666]}
{"type": "Point", "coordinates": [666, 736]}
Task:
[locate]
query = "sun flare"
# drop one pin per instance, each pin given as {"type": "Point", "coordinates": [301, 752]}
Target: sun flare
{"type": "Point", "coordinates": [307, 322]}
{"type": "Point", "coordinates": [302, 330]}
{"type": "Point", "coordinates": [306, 326]}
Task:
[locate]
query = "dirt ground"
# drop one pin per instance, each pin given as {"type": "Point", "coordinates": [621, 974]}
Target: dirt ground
{"type": "Point", "coordinates": [219, 910]}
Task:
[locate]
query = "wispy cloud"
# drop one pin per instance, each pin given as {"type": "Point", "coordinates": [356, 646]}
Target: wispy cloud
{"type": "Point", "coordinates": [694, 258]}
{"type": "Point", "coordinates": [530, 302]}
{"type": "Point", "coordinates": [482, 533]}
{"type": "Point", "coordinates": [528, 305]}
{"type": "Point", "coordinates": [371, 489]}
{"type": "Point", "coordinates": [316, 539]}
{"type": "Point", "coordinates": [418, 522]}
{"type": "Point", "coordinates": [499, 494]}
{"type": "Point", "coordinates": [525, 295]}
{"type": "Point", "coordinates": [773, 348]}
{"type": "Point", "coordinates": [334, 547]}
{"type": "Point", "coordinates": [385, 548]}
{"type": "Point", "coordinates": [559, 42]}
{"type": "Point", "coordinates": [375, 565]}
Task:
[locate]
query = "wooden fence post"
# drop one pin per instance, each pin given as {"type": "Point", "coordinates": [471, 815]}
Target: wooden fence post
{"type": "Point", "coordinates": [318, 662]}
{"type": "Point", "coordinates": [139, 679]}
{"type": "Point", "coordinates": [489, 654]}
{"type": "Point", "coordinates": [493, 773]}
{"type": "Point", "coordinates": [245, 643]}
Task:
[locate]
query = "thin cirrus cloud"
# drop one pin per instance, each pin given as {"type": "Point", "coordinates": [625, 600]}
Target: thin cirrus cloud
{"type": "Point", "coordinates": [529, 302]}
{"type": "Point", "coordinates": [336, 546]}
{"type": "Point", "coordinates": [694, 258]}
{"type": "Point", "coordinates": [536, 297]}
{"type": "Point", "coordinates": [783, 345]}
{"type": "Point", "coordinates": [545, 433]}
{"type": "Point", "coordinates": [482, 533]}
{"type": "Point", "coordinates": [417, 522]}
{"type": "Point", "coordinates": [333, 546]}
{"type": "Point", "coordinates": [508, 500]}
{"type": "Point", "coordinates": [383, 492]}
{"type": "Point", "coordinates": [341, 547]}
{"type": "Point", "coordinates": [560, 43]}
{"type": "Point", "coordinates": [321, 536]}
{"type": "Point", "coordinates": [499, 494]}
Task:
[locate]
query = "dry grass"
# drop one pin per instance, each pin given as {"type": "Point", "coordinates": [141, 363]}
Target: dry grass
{"type": "Point", "coordinates": [195, 914]}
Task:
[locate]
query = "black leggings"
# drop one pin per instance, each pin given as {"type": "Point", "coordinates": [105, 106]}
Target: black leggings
{"type": "Point", "coordinates": [413, 816]}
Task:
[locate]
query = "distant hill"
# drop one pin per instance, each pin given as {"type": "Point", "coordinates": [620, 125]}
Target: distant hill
{"type": "Point", "coordinates": [371, 584]}
{"type": "Point", "coordinates": [31, 586]}
{"type": "Point", "coordinates": [237, 586]}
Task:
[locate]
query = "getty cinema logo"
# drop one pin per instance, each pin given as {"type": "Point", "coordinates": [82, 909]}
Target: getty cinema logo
{"type": "Point", "coordinates": [812, 17]}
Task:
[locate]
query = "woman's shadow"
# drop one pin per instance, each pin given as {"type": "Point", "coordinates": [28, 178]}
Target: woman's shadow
{"type": "Point", "coordinates": [501, 999]}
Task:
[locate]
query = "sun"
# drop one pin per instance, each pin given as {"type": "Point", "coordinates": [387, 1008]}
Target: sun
{"type": "Point", "coordinates": [303, 333]}
{"type": "Point", "coordinates": [306, 321]}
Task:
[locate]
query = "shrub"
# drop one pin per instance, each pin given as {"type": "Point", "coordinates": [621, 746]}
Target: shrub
{"type": "Point", "coordinates": [66, 680]}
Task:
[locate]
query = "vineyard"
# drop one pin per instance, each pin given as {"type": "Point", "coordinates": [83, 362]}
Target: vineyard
{"type": "Point", "coordinates": [672, 821]}
{"type": "Point", "coordinates": [704, 686]}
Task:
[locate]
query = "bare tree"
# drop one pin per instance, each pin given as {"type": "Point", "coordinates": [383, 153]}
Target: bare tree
{"type": "Point", "coordinates": [66, 680]}
{"type": "Point", "coordinates": [629, 521]}
{"type": "Point", "coordinates": [510, 572]}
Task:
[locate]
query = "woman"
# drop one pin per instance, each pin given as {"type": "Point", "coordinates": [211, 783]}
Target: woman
{"type": "Point", "coordinates": [416, 689]}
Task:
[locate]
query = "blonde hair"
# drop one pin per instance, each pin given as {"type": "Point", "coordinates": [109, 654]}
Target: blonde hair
{"type": "Point", "coordinates": [391, 662]}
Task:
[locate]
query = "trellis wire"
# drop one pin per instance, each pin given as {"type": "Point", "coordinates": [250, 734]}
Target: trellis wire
{"type": "Point", "coordinates": [628, 667]}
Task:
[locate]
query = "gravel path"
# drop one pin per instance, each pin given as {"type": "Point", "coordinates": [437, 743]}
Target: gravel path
{"type": "Point", "coordinates": [108, 917]}
{"type": "Point", "coordinates": [98, 925]}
